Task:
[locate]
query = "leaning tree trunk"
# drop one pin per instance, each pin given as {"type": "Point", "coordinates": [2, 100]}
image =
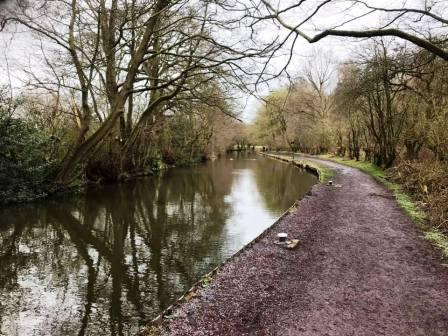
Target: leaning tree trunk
{"type": "Point", "coordinates": [85, 149]}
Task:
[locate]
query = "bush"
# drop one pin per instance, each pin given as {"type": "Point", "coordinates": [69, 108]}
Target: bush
{"type": "Point", "coordinates": [428, 183]}
{"type": "Point", "coordinates": [26, 162]}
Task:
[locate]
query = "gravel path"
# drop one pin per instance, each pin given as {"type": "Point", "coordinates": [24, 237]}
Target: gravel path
{"type": "Point", "coordinates": [362, 268]}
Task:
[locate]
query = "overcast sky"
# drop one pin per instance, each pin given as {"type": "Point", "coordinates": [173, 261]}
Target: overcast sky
{"type": "Point", "coordinates": [19, 50]}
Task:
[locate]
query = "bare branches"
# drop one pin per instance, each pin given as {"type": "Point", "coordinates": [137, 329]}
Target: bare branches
{"type": "Point", "coordinates": [404, 32]}
{"type": "Point", "coordinates": [404, 10]}
{"type": "Point", "coordinates": [425, 44]}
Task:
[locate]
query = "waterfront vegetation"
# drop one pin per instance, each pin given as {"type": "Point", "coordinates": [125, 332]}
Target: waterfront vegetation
{"type": "Point", "coordinates": [384, 111]}
{"type": "Point", "coordinates": [125, 88]}
{"type": "Point", "coordinates": [129, 87]}
{"type": "Point", "coordinates": [101, 92]}
{"type": "Point", "coordinates": [119, 89]}
{"type": "Point", "coordinates": [35, 140]}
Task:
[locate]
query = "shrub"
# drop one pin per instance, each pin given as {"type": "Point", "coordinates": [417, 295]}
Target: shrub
{"type": "Point", "coordinates": [428, 183]}
{"type": "Point", "coordinates": [26, 162]}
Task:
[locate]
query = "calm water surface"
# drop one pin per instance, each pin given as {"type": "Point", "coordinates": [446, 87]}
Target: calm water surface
{"type": "Point", "coordinates": [107, 262]}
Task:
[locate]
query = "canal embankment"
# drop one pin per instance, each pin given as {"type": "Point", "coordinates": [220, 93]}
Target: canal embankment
{"type": "Point", "coordinates": [361, 268]}
{"type": "Point", "coordinates": [113, 258]}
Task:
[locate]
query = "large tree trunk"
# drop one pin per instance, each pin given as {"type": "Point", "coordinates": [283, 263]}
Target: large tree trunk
{"type": "Point", "coordinates": [116, 98]}
{"type": "Point", "coordinates": [83, 150]}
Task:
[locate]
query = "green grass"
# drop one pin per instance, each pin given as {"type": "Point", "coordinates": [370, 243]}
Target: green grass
{"type": "Point", "coordinates": [404, 200]}
{"type": "Point", "coordinates": [324, 173]}
{"type": "Point", "coordinates": [367, 167]}
{"type": "Point", "coordinates": [438, 239]}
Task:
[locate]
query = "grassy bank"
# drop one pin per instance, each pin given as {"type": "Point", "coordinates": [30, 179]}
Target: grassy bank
{"type": "Point", "coordinates": [418, 216]}
{"type": "Point", "coordinates": [323, 173]}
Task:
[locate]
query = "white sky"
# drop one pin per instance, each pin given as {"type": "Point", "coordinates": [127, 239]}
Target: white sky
{"type": "Point", "coordinates": [19, 50]}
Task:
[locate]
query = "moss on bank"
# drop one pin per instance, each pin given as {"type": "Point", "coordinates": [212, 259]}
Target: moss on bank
{"type": "Point", "coordinates": [417, 215]}
{"type": "Point", "coordinates": [323, 173]}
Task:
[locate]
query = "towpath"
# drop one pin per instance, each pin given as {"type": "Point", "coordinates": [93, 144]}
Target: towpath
{"type": "Point", "coordinates": [362, 268]}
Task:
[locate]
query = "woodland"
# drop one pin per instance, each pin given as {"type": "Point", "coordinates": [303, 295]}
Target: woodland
{"type": "Point", "coordinates": [126, 87]}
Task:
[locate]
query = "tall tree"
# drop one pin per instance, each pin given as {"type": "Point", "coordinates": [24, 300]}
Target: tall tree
{"type": "Point", "coordinates": [128, 59]}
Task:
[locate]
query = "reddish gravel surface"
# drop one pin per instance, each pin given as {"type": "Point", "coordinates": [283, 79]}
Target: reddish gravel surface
{"type": "Point", "coordinates": [362, 268]}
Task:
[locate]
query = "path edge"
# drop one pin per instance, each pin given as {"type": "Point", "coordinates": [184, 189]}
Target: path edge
{"type": "Point", "coordinates": [151, 328]}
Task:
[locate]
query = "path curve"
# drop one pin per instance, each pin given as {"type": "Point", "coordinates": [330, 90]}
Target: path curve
{"type": "Point", "coordinates": [362, 269]}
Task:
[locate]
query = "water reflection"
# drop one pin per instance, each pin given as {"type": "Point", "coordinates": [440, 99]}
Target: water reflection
{"type": "Point", "coordinates": [107, 262]}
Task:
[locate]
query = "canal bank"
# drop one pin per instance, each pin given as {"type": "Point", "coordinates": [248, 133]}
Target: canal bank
{"type": "Point", "coordinates": [108, 261]}
{"type": "Point", "coordinates": [361, 268]}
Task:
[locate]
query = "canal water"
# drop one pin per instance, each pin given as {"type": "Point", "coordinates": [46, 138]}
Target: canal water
{"type": "Point", "coordinates": [106, 262]}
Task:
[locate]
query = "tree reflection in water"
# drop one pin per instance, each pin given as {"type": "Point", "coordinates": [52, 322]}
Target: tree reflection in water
{"type": "Point", "coordinates": [109, 261]}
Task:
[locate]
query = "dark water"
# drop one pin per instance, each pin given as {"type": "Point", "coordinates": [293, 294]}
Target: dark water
{"type": "Point", "coordinates": [107, 262]}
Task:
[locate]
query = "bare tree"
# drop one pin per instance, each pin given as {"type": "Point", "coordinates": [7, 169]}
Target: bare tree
{"type": "Point", "coordinates": [319, 72]}
{"type": "Point", "coordinates": [123, 61]}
